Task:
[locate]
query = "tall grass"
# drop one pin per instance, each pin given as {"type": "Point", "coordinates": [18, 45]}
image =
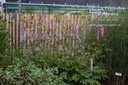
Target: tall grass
{"type": "Point", "coordinates": [117, 41]}
{"type": "Point", "coordinates": [4, 43]}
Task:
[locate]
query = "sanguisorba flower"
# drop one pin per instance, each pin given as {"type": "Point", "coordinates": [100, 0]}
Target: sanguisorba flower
{"type": "Point", "coordinates": [25, 28]}
{"type": "Point", "coordinates": [32, 25]}
{"type": "Point", "coordinates": [89, 28]}
{"type": "Point", "coordinates": [99, 28]}
{"type": "Point", "coordinates": [50, 23]}
{"type": "Point", "coordinates": [76, 31]}
{"type": "Point", "coordinates": [46, 34]}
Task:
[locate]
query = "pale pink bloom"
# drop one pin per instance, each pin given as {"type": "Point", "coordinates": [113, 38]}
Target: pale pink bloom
{"type": "Point", "coordinates": [37, 49]}
{"type": "Point", "coordinates": [91, 64]}
{"type": "Point", "coordinates": [77, 30]}
{"type": "Point", "coordinates": [41, 44]}
{"type": "Point", "coordinates": [50, 23]}
{"type": "Point", "coordinates": [24, 26]}
{"type": "Point", "coordinates": [89, 28]}
{"type": "Point", "coordinates": [65, 26]}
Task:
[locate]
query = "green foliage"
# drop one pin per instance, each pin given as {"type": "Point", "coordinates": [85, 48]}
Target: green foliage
{"type": "Point", "coordinates": [3, 36]}
{"type": "Point", "coordinates": [52, 77]}
{"type": "Point", "coordinates": [56, 63]}
{"type": "Point", "coordinates": [4, 44]}
{"type": "Point", "coordinates": [22, 73]}
{"type": "Point", "coordinates": [71, 66]}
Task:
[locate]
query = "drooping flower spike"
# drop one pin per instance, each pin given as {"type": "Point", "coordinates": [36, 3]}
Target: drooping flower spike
{"type": "Point", "coordinates": [99, 28]}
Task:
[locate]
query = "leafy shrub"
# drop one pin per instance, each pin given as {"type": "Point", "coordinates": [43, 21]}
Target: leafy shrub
{"type": "Point", "coordinates": [72, 69]}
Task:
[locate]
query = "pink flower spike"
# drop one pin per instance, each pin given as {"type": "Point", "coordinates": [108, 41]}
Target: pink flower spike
{"type": "Point", "coordinates": [45, 21]}
{"type": "Point", "coordinates": [50, 23]}
{"type": "Point", "coordinates": [72, 26]}
{"type": "Point", "coordinates": [91, 64]}
{"type": "Point", "coordinates": [89, 28]}
{"type": "Point", "coordinates": [98, 29]}
{"type": "Point", "coordinates": [24, 26]}
{"type": "Point", "coordinates": [77, 30]}
{"type": "Point", "coordinates": [46, 34]}
{"type": "Point", "coordinates": [40, 17]}
{"type": "Point", "coordinates": [41, 44]}
{"type": "Point", "coordinates": [101, 27]}
{"type": "Point", "coordinates": [32, 25]}
{"type": "Point", "coordinates": [27, 33]}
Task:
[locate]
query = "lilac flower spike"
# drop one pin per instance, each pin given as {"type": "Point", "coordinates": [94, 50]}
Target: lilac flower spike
{"type": "Point", "coordinates": [89, 28]}
{"type": "Point", "coordinates": [77, 30]}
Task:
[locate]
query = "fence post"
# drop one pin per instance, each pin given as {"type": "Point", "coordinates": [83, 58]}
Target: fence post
{"type": "Point", "coordinates": [19, 22]}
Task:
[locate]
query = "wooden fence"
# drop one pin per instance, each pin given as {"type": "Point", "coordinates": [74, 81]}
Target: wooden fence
{"type": "Point", "coordinates": [46, 26]}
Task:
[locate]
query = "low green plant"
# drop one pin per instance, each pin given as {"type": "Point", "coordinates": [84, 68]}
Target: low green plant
{"type": "Point", "coordinates": [22, 73]}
